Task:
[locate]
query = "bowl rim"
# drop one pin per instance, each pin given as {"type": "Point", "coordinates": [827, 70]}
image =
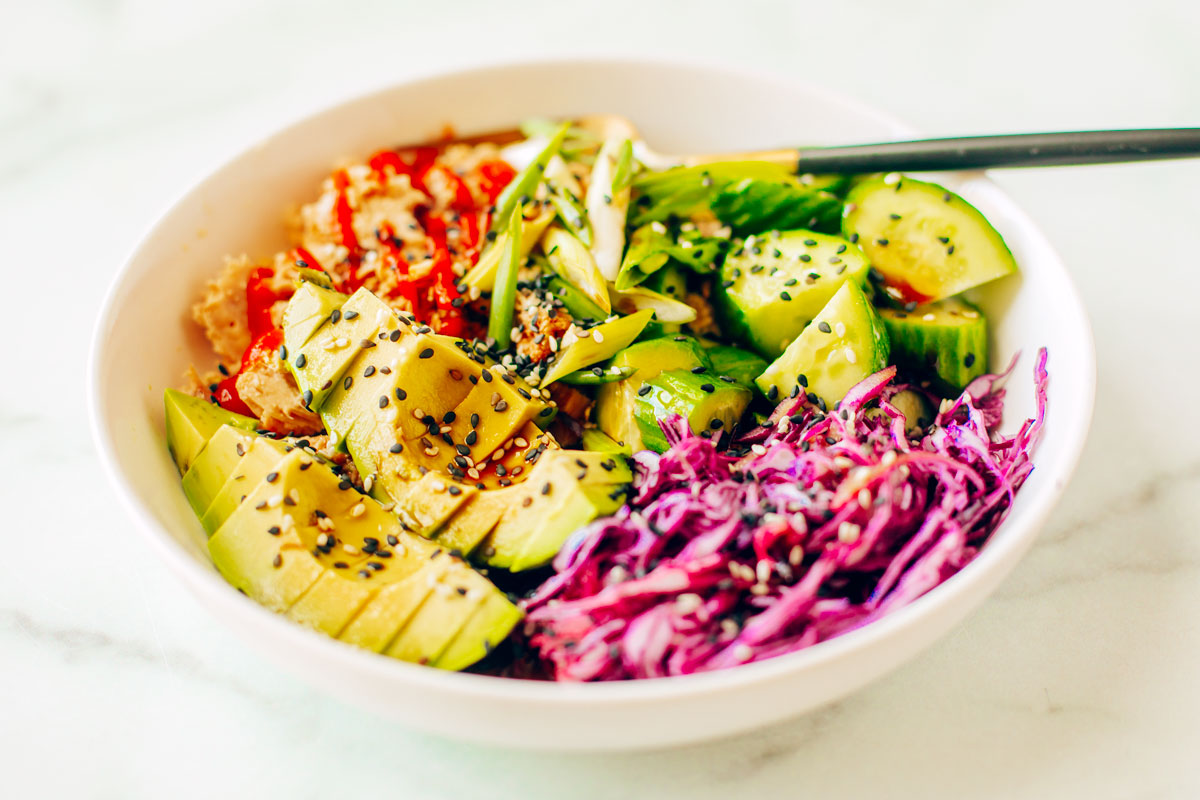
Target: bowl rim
{"type": "Point", "coordinates": [213, 589]}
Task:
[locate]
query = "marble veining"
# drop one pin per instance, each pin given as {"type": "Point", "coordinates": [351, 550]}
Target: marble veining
{"type": "Point", "coordinates": [1077, 679]}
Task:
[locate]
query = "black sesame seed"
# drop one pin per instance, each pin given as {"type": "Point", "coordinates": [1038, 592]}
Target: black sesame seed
{"type": "Point", "coordinates": [454, 491]}
{"type": "Point", "coordinates": [349, 380]}
{"type": "Point", "coordinates": [272, 477]}
{"type": "Point", "coordinates": [784, 296]}
{"type": "Point", "coordinates": [699, 370]}
{"type": "Point", "coordinates": [301, 361]}
{"type": "Point", "coordinates": [383, 401]}
{"type": "Point", "coordinates": [350, 315]}
{"type": "Point", "coordinates": [716, 424]}
{"type": "Point", "coordinates": [707, 387]}
{"type": "Point", "coordinates": [546, 488]}
{"type": "Point", "coordinates": [823, 327]}
{"type": "Point", "coordinates": [644, 390]}
{"type": "Point", "coordinates": [805, 257]}
{"type": "Point", "coordinates": [969, 360]}
{"type": "Point", "coordinates": [396, 448]}
{"type": "Point", "coordinates": [401, 394]}
{"type": "Point", "coordinates": [802, 379]}
{"type": "Point", "coordinates": [368, 372]}
{"type": "Point", "coordinates": [274, 530]}
{"type": "Point", "coordinates": [487, 376]}
{"type": "Point", "coordinates": [462, 449]}
{"type": "Point", "coordinates": [394, 336]}
{"type": "Point", "coordinates": [426, 353]}
{"type": "Point", "coordinates": [277, 562]}
{"type": "Point", "coordinates": [502, 406]}
{"type": "Point", "coordinates": [773, 393]}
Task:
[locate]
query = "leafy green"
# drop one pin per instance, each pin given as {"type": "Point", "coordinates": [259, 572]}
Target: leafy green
{"type": "Point", "coordinates": [652, 246]}
{"type": "Point", "coordinates": [752, 206]}
{"type": "Point", "coordinates": [681, 191]}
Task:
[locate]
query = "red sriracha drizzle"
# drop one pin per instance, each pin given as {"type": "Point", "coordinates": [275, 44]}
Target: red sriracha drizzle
{"type": "Point", "coordinates": [266, 339]}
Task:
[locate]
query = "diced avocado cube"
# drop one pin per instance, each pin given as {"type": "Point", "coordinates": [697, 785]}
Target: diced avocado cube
{"type": "Point", "coordinates": [191, 421]}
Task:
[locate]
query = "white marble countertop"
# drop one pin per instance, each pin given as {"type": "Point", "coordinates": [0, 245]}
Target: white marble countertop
{"type": "Point", "coordinates": [1077, 679]}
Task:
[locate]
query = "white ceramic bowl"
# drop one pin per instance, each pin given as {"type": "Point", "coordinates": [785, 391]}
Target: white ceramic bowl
{"type": "Point", "coordinates": [144, 340]}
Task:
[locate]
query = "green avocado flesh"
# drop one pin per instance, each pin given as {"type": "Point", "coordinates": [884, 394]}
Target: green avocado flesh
{"type": "Point", "coordinates": [191, 421]}
{"type": "Point", "coordinates": [774, 285]}
{"type": "Point", "coordinates": [927, 242]}
{"type": "Point", "coordinates": [615, 402]}
{"type": "Point", "coordinates": [946, 342]}
{"type": "Point", "coordinates": [334, 560]}
{"type": "Point", "coordinates": [439, 431]}
{"type": "Point", "coordinates": [843, 345]}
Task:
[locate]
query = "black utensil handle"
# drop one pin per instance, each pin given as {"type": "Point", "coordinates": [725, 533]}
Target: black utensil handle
{"type": "Point", "coordinates": [1013, 150]}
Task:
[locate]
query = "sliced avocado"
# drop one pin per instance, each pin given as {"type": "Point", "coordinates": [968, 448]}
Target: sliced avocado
{"type": "Point", "coordinates": [708, 404]}
{"type": "Point", "coordinates": [946, 342]}
{"type": "Point", "coordinates": [615, 401]}
{"type": "Point", "coordinates": [303, 546]}
{"type": "Point", "coordinates": [774, 285]}
{"type": "Point", "coordinates": [843, 345]}
{"type": "Point", "coordinates": [378, 622]}
{"type": "Point", "coordinates": [309, 308]}
{"type": "Point", "coordinates": [439, 619]}
{"type": "Point", "coordinates": [602, 342]}
{"type": "Point", "coordinates": [214, 464]}
{"type": "Point", "coordinates": [474, 641]}
{"type": "Point", "coordinates": [191, 421]}
{"type": "Point", "coordinates": [426, 504]}
{"type": "Point", "coordinates": [318, 365]}
{"type": "Point", "coordinates": [599, 441]}
{"type": "Point", "coordinates": [261, 457]}
{"type": "Point", "coordinates": [491, 413]}
{"type": "Point", "coordinates": [546, 509]}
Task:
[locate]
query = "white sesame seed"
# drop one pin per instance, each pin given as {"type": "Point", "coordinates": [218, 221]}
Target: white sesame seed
{"type": "Point", "coordinates": [848, 532]}
{"type": "Point", "coordinates": [322, 539]}
{"type": "Point", "coordinates": [358, 510]}
{"type": "Point", "coordinates": [431, 451]}
{"type": "Point", "coordinates": [796, 555]}
{"type": "Point", "coordinates": [840, 328]}
{"type": "Point", "coordinates": [850, 355]}
{"type": "Point", "coordinates": [418, 414]}
{"type": "Point", "coordinates": [743, 652]}
{"type": "Point", "coordinates": [729, 628]}
{"type": "Point", "coordinates": [759, 589]}
{"type": "Point", "coordinates": [758, 449]}
{"type": "Point", "coordinates": [864, 498]}
{"type": "Point", "coordinates": [762, 571]}
{"type": "Point", "coordinates": [275, 500]}
{"type": "Point", "coordinates": [928, 318]}
{"type": "Point", "coordinates": [351, 549]}
{"type": "Point", "coordinates": [889, 458]}
{"type": "Point", "coordinates": [688, 602]}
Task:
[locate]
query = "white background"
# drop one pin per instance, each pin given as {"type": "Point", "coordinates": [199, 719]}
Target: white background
{"type": "Point", "coordinates": [1078, 679]}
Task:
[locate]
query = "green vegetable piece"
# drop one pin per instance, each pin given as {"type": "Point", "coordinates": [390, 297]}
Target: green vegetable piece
{"type": "Point", "coordinates": [573, 262]}
{"type": "Point", "coordinates": [927, 242]}
{"type": "Point", "coordinates": [623, 172]}
{"type": "Point", "coordinates": [682, 191]}
{"type": "Point", "coordinates": [504, 297]}
{"type": "Point", "coordinates": [482, 276]}
{"type": "Point", "coordinates": [666, 309]}
{"type": "Point", "coordinates": [574, 301]}
{"type": "Point", "coordinates": [946, 342]}
{"type": "Point", "coordinates": [845, 343]}
{"type": "Point", "coordinates": [652, 247]}
{"type": "Point", "coordinates": [191, 421]}
{"type": "Point", "coordinates": [752, 206]}
{"type": "Point", "coordinates": [708, 404]}
{"type": "Point", "coordinates": [733, 362]}
{"type": "Point", "coordinates": [601, 343]}
{"type": "Point", "coordinates": [526, 181]}
{"type": "Point", "coordinates": [615, 401]}
{"type": "Point", "coordinates": [597, 376]}
{"type": "Point", "coordinates": [774, 285]}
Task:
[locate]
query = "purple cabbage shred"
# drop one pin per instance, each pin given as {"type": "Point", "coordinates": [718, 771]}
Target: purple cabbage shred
{"type": "Point", "coordinates": [802, 529]}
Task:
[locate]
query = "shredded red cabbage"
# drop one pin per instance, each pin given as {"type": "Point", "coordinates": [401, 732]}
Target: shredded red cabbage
{"type": "Point", "coordinates": [806, 527]}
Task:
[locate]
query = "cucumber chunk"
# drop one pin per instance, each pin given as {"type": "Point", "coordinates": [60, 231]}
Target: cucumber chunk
{"type": "Point", "coordinates": [615, 401]}
{"type": "Point", "coordinates": [734, 362]}
{"type": "Point", "coordinates": [844, 344]}
{"type": "Point", "coordinates": [774, 285]}
{"type": "Point", "coordinates": [927, 242]}
{"type": "Point", "coordinates": [946, 341]}
{"type": "Point", "coordinates": [708, 404]}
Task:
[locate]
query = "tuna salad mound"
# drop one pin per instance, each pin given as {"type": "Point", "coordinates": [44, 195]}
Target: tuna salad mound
{"type": "Point", "coordinates": [535, 408]}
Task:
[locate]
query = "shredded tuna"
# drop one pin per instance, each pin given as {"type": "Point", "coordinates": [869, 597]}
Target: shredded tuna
{"type": "Point", "coordinates": [222, 310]}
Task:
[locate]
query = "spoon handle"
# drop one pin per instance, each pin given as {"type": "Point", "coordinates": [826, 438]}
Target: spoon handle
{"type": "Point", "coordinates": [1011, 150]}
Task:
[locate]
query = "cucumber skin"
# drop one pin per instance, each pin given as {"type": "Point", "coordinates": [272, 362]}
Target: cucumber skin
{"type": "Point", "coordinates": [734, 320]}
{"type": "Point", "coordinates": [879, 352]}
{"type": "Point", "coordinates": [679, 392]}
{"type": "Point", "coordinates": [734, 362]}
{"type": "Point", "coordinates": [900, 288]}
{"type": "Point", "coordinates": [938, 353]}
